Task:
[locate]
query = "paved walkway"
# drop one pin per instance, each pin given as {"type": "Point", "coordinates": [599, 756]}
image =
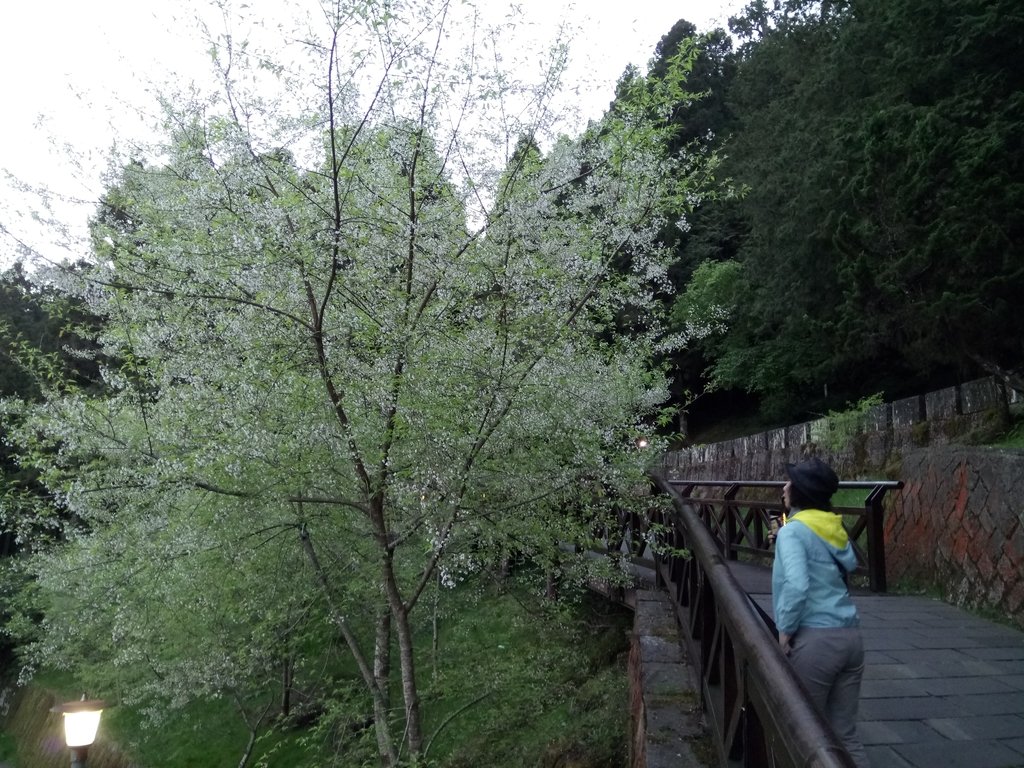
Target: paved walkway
{"type": "Point", "coordinates": [942, 688]}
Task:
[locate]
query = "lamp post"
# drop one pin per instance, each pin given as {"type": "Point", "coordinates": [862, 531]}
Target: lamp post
{"type": "Point", "coordinates": [81, 719]}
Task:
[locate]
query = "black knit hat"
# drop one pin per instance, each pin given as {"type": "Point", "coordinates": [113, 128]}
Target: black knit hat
{"type": "Point", "coordinates": [815, 481]}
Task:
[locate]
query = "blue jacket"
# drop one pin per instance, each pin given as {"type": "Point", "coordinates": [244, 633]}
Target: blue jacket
{"type": "Point", "coordinates": [807, 585]}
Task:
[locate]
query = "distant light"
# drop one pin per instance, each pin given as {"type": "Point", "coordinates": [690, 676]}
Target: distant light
{"type": "Point", "coordinates": [642, 442]}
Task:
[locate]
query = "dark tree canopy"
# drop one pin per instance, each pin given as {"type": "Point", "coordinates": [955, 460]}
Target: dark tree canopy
{"type": "Point", "coordinates": [878, 146]}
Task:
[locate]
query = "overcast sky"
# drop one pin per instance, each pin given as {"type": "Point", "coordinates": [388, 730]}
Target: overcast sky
{"type": "Point", "coordinates": [74, 71]}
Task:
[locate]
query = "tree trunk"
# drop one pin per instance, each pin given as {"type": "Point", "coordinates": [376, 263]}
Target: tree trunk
{"type": "Point", "coordinates": [253, 727]}
{"type": "Point", "coordinates": [551, 592]}
{"type": "Point", "coordinates": [413, 727]}
{"type": "Point", "coordinates": [434, 626]}
{"type": "Point", "coordinates": [388, 757]}
{"type": "Point", "coordinates": [406, 658]}
{"type": "Point", "coordinates": [247, 754]}
{"type": "Point", "coordinates": [403, 631]}
{"type": "Point", "coordinates": [382, 673]}
{"type": "Point", "coordinates": [382, 656]}
{"type": "Point", "coordinates": [287, 675]}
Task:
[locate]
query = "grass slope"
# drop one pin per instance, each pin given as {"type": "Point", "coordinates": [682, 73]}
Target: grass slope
{"type": "Point", "coordinates": [511, 681]}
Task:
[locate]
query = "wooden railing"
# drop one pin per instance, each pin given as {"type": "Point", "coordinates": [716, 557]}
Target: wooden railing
{"type": "Point", "coordinates": [759, 714]}
{"type": "Point", "coordinates": [739, 515]}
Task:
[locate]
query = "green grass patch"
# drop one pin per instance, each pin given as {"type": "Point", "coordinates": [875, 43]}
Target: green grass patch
{"type": "Point", "coordinates": [525, 682]}
{"type": "Point", "coordinates": [1014, 435]}
{"type": "Point", "coordinates": [8, 750]}
{"type": "Point", "coordinates": [516, 681]}
{"type": "Point", "coordinates": [203, 734]}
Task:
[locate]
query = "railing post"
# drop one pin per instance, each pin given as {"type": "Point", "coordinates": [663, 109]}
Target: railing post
{"type": "Point", "coordinates": [875, 511]}
{"type": "Point", "coordinates": [755, 753]}
{"type": "Point", "coordinates": [730, 511]}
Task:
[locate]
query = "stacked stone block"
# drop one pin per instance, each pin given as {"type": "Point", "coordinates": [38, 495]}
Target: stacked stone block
{"type": "Point", "coordinates": [664, 698]}
{"type": "Point", "coordinates": [944, 417]}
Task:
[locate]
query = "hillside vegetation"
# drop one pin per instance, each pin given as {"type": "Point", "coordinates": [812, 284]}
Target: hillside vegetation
{"type": "Point", "coordinates": [331, 356]}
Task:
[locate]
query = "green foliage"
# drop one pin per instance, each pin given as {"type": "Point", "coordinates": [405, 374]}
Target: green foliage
{"type": "Point", "coordinates": [45, 342]}
{"type": "Point", "coordinates": [688, 80]}
{"type": "Point", "coordinates": [516, 681]}
{"type": "Point", "coordinates": [348, 351]}
{"type": "Point", "coordinates": [539, 682]}
{"type": "Point", "coordinates": [879, 232]}
{"type": "Point", "coordinates": [661, 533]}
{"type": "Point", "coordinates": [710, 298]}
{"type": "Point", "coordinates": [1014, 436]}
{"type": "Point", "coordinates": [838, 429]}
{"type": "Point", "coordinates": [45, 337]}
{"type": "Point", "coordinates": [7, 748]}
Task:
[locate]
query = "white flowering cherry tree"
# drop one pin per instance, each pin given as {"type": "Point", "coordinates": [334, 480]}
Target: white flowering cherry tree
{"type": "Point", "coordinates": [360, 327]}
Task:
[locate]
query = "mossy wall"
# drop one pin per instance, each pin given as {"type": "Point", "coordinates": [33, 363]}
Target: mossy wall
{"type": "Point", "coordinates": [969, 413]}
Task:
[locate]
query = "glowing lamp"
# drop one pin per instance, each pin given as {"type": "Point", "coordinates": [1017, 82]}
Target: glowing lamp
{"type": "Point", "coordinates": [81, 719]}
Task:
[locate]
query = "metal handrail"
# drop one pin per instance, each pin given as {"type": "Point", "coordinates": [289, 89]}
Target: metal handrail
{"type": "Point", "coordinates": [758, 708]}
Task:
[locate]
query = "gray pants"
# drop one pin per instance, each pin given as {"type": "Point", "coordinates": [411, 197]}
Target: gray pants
{"type": "Point", "coordinates": [830, 663]}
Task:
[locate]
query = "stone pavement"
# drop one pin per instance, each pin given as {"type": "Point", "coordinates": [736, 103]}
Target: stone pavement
{"type": "Point", "coordinates": [942, 688]}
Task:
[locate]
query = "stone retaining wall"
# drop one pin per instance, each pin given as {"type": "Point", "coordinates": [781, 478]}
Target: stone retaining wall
{"type": "Point", "coordinates": [964, 413]}
{"type": "Point", "coordinates": [667, 724]}
{"type": "Point", "coordinates": [958, 524]}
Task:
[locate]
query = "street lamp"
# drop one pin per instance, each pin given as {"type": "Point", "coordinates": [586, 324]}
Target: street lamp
{"type": "Point", "coordinates": [81, 719]}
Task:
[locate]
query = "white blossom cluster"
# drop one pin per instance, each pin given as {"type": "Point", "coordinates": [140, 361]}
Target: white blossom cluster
{"type": "Point", "coordinates": [349, 339]}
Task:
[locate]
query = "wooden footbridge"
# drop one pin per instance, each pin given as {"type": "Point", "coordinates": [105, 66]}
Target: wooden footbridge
{"type": "Point", "coordinates": [942, 688]}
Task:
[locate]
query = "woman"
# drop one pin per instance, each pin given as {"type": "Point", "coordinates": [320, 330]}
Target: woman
{"type": "Point", "coordinates": [817, 621]}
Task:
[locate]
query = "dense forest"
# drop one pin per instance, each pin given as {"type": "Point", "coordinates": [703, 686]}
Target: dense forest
{"type": "Point", "coordinates": [872, 240]}
{"type": "Point", "coordinates": [312, 377]}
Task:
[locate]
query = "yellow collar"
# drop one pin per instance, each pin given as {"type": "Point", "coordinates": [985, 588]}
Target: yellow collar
{"type": "Point", "coordinates": [827, 525]}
